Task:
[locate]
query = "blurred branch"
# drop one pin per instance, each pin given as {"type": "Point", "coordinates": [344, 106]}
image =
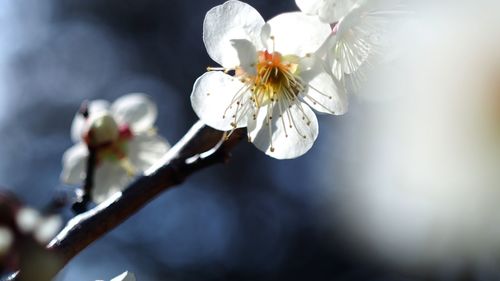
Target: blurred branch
{"type": "Point", "coordinates": [201, 147]}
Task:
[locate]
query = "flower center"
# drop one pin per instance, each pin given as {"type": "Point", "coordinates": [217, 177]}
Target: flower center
{"type": "Point", "coordinates": [271, 86]}
{"type": "Point", "coordinates": [275, 78]}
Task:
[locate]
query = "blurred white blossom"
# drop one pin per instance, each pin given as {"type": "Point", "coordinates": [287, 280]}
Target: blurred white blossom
{"type": "Point", "coordinates": [356, 38]}
{"type": "Point", "coordinates": [6, 239]}
{"type": "Point", "coordinates": [125, 141]}
{"type": "Point", "coordinates": [43, 228]}
{"type": "Point", "coordinates": [422, 191]}
{"type": "Point", "coordinates": [277, 78]}
{"type": "Point", "coordinates": [360, 36]}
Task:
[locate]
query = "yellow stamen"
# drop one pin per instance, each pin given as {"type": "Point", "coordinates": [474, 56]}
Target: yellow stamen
{"type": "Point", "coordinates": [127, 166]}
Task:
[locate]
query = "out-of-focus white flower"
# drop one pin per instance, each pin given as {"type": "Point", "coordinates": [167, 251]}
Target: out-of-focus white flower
{"type": "Point", "coordinates": [125, 276]}
{"type": "Point", "coordinates": [329, 11]}
{"type": "Point", "coordinates": [422, 193]}
{"type": "Point", "coordinates": [27, 219]}
{"type": "Point", "coordinates": [6, 239]}
{"type": "Point", "coordinates": [356, 36]}
{"type": "Point", "coordinates": [124, 139]}
{"type": "Point", "coordinates": [43, 228]}
{"type": "Point", "coordinates": [276, 80]}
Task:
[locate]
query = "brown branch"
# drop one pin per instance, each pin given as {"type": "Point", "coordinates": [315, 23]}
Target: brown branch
{"type": "Point", "coordinates": [201, 147]}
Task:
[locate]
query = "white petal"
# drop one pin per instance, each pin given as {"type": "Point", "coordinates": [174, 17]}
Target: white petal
{"type": "Point", "coordinates": [358, 34]}
{"type": "Point", "coordinates": [74, 163]}
{"type": "Point", "coordinates": [311, 7]}
{"type": "Point", "coordinates": [329, 11]}
{"type": "Point", "coordinates": [145, 149]}
{"type": "Point", "coordinates": [265, 35]}
{"type": "Point", "coordinates": [335, 10]}
{"type": "Point", "coordinates": [125, 276]}
{"type": "Point", "coordinates": [323, 92]}
{"type": "Point", "coordinates": [247, 55]}
{"type": "Point", "coordinates": [135, 110]}
{"type": "Point", "coordinates": [109, 178]}
{"type": "Point", "coordinates": [297, 33]}
{"type": "Point", "coordinates": [288, 142]}
{"type": "Point", "coordinates": [223, 23]}
{"type": "Point", "coordinates": [78, 125]}
{"type": "Point", "coordinates": [326, 94]}
{"type": "Point", "coordinates": [309, 67]}
{"type": "Point", "coordinates": [214, 99]}
{"type": "Point", "coordinates": [350, 51]}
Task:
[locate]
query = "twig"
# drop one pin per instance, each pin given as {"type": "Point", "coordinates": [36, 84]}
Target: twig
{"type": "Point", "coordinates": [80, 205]}
{"type": "Point", "coordinates": [201, 147]}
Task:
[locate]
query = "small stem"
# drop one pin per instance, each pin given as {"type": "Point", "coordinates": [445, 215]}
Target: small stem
{"type": "Point", "coordinates": [81, 205]}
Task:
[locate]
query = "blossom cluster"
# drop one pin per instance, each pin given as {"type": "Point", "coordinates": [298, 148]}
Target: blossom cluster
{"type": "Point", "coordinates": [272, 77]}
{"type": "Point", "coordinates": [272, 74]}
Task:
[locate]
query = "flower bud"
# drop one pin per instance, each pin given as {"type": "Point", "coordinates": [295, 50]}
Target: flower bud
{"type": "Point", "coordinates": [103, 130]}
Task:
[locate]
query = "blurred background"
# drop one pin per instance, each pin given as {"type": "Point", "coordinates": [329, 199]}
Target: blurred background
{"type": "Point", "coordinates": [394, 190]}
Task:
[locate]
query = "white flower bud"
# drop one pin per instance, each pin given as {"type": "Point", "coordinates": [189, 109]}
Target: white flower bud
{"type": "Point", "coordinates": [103, 129]}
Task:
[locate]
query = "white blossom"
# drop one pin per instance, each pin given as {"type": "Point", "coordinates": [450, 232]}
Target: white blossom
{"type": "Point", "coordinates": [358, 29]}
{"type": "Point", "coordinates": [269, 78]}
{"type": "Point", "coordinates": [124, 139]}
